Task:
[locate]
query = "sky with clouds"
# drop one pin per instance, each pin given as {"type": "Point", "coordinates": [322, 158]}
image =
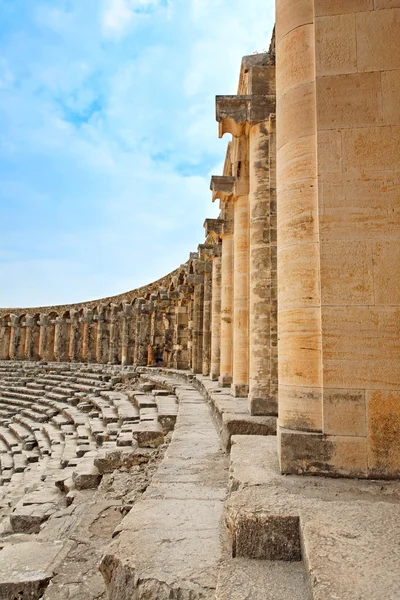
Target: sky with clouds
{"type": "Point", "coordinates": [108, 137]}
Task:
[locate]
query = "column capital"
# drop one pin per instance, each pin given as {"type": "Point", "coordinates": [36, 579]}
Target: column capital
{"type": "Point", "coordinates": [236, 114]}
{"type": "Point", "coordinates": [222, 187]}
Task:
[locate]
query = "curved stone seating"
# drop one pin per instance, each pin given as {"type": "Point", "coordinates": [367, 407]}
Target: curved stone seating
{"type": "Point", "coordinates": [56, 423]}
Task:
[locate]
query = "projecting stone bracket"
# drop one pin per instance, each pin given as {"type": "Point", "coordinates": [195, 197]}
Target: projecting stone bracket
{"type": "Point", "coordinates": [213, 227]}
{"type": "Point", "coordinates": [236, 114]}
{"type": "Point", "coordinates": [222, 187]}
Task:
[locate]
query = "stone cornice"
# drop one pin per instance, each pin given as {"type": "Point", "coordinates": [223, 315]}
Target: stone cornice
{"type": "Point", "coordinates": [213, 227]}
{"type": "Point", "coordinates": [236, 114]}
{"type": "Point", "coordinates": [222, 187]}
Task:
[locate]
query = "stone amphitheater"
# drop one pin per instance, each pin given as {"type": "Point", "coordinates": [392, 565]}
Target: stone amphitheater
{"type": "Point", "coordinates": [232, 431]}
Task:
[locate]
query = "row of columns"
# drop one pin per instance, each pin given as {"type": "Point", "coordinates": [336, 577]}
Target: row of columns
{"type": "Point", "coordinates": [244, 318]}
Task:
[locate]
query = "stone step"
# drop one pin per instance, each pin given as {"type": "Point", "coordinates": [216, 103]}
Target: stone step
{"type": "Point", "coordinates": [244, 579]}
{"type": "Point", "coordinates": [27, 568]}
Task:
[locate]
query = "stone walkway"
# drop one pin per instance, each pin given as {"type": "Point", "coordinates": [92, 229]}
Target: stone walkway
{"type": "Point", "coordinates": [172, 542]}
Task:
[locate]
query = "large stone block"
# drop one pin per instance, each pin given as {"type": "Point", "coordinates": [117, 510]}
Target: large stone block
{"type": "Point", "coordinates": [300, 408]}
{"type": "Point", "coordinates": [313, 453]}
{"type": "Point", "coordinates": [347, 273]}
{"type": "Point", "coordinates": [352, 100]}
{"type": "Point", "coordinates": [383, 409]}
{"type": "Point", "coordinates": [345, 412]}
{"type": "Point", "coordinates": [336, 44]}
{"type": "Point", "coordinates": [338, 7]}
{"type": "Point", "coordinates": [378, 33]}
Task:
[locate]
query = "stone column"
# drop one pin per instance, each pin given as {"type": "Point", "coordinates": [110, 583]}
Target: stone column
{"type": "Point", "coordinates": [197, 322]}
{"type": "Point", "coordinates": [263, 297]}
{"type": "Point", "coordinates": [125, 334]}
{"type": "Point", "coordinates": [136, 309]}
{"type": "Point", "coordinates": [74, 336]}
{"type": "Point", "coordinates": [87, 321]}
{"type": "Point", "coordinates": [236, 115]}
{"type": "Point", "coordinates": [5, 337]}
{"type": "Point", "coordinates": [144, 334]}
{"type": "Point", "coordinates": [225, 375]}
{"type": "Point", "coordinates": [206, 252]}
{"type": "Point", "coordinates": [59, 339]}
{"type": "Point", "coordinates": [181, 337]}
{"type": "Point", "coordinates": [223, 189]}
{"type": "Point", "coordinates": [207, 319]}
{"type": "Point", "coordinates": [216, 317]}
{"type": "Point", "coordinates": [101, 355]}
{"type": "Point", "coordinates": [240, 361]}
{"type": "Point", "coordinates": [213, 229]}
{"type": "Point", "coordinates": [44, 325]}
{"type": "Point", "coordinates": [29, 351]}
{"type": "Point", "coordinates": [113, 350]}
{"type": "Point", "coordinates": [15, 333]}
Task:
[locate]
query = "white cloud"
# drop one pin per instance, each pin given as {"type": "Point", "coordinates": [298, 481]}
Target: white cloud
{"type": "Point", "coordinates": [116, 17]}
{"type": "Point", "coordinates": [118, 14]}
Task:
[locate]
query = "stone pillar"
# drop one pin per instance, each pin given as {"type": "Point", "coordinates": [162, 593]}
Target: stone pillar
{"type": "Point", "coordinates": [144, 334]}
{"type": "Point", "coordinates": [125, 333]}
{"type": "Point", "coordinates": [137, 310]}
{"type": "Point", "coordinates": [263, 293]}
{"type": "Point", "coordinates": [29, 350]}
{"type": "Point", "coordinates": [216, 317]}
{"type": "Point", "coordinates": [207, 319]}
{"type": "Point", "coordinates": [5, 337]}
{"type": "Point", "coordinates": [240, 360]}
{"type": "Point", "coordinates": [87, 321]}
{"type": "Point", "coordinates": [181, 336]}
{"type": "Point", "coordinates": [206, 252]}
{"type": "Point", "coordinates": [74, 336]}
{"type": "Point", "coordinates": [197, 323]}
{"type": "Point", "coordinates": [114, 325]}
{"type": "Point", "coordinates": [225, 375]}
{"type": "Point", "coordinates": [60, 341]}
{"type": "Point", "coordinates": [101, 353]}
{"type": "Point", "coordinates": [15, 333]}
{"type": "Point", "coordinates": [238, 115]}
{"type": "Point", "coordinates": [44, 325]}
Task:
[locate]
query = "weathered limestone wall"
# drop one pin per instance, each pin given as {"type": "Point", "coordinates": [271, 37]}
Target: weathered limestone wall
{"type": "Point", "coordinates": [127, 329]}
{"type": "Point", "coordinates": [338, 143]}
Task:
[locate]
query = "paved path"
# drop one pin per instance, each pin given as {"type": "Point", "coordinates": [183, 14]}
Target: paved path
{"type": "Point", "coordinates": [172, 542]}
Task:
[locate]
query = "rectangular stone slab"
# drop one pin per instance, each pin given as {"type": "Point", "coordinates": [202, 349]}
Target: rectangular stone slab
{"type": "Point", "coordinates": [27, 568]}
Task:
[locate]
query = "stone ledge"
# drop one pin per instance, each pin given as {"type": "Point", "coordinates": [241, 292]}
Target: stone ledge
{"type": "Point", "coordinates": [231, 414]}
{"type": "Point", "coordinates": [26, 568]}
{"type": "Point", "coordinates": [349, 529]}
{"type": "Point", "coordinates": [169, 545]}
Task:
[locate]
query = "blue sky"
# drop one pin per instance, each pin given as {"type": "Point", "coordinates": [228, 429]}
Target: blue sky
{"type": "Point", "coordinates": [108, 137]}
